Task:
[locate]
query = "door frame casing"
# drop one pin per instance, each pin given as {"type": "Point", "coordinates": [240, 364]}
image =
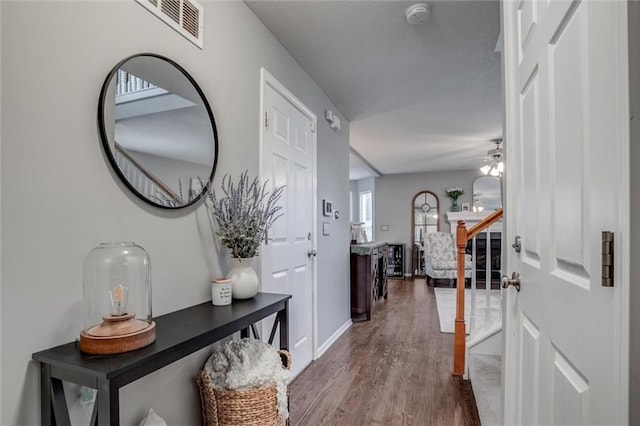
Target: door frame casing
{"type": "Point", "coordinates": [509, 382]}
{"type": "Point", "coordinates": [622, 274]}
{"type": "Point", "coordinates": [267, 79]}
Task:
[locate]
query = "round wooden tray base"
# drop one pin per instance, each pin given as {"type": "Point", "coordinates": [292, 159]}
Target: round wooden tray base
{"type": "Point", "coordinates": [117, 344]}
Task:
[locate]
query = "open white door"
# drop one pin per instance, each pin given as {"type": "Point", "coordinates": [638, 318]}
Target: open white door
{"type": "Point", "coordinates": [287, 261]}
{"type": "Point", "coordinates": [566, 140]}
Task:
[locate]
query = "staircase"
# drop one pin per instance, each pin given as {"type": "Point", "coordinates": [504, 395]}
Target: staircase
{"type": "Point", "coordinates": [478, 356]}
{"type": "Point", "coordinates": [492, 325]}
{"type": "Point", "coordinates": [486, 373]}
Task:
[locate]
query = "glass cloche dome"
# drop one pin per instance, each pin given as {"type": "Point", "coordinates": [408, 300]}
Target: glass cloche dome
{"type": "Point", "coordinates": [117, 299]}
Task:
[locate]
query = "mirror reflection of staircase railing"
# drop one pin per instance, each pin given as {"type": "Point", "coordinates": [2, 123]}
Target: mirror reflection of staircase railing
{"type": "Point", "coordinates": [129, 83]}
{"type": "Point", "coordinates": [143, 181]}
{"type": "Point", "coordinates": [490, 322]}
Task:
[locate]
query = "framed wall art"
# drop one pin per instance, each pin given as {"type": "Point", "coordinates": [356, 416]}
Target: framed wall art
{"type": "Point", "coordinates": [327, 208]}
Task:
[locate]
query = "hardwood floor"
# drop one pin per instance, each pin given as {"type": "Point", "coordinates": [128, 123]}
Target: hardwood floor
{"type": "Point", "coordinates": [393, 370]}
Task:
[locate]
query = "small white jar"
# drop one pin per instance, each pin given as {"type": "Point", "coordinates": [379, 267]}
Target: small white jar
{"type": "Point", "coordinates": [221, 291]}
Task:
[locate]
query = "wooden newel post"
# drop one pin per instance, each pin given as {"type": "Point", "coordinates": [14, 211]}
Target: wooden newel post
{"type": "Point", "coordinates": [460, 335]}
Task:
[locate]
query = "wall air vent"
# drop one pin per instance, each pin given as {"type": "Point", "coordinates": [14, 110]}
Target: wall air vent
{"type": "Point", "coordinates": [184, 16]}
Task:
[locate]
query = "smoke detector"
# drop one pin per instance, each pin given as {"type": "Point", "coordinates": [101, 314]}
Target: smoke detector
{"type": "Point", "coordinates": [418, 13]}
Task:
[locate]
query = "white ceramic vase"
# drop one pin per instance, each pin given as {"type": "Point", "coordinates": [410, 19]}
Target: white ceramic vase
{"type": "Point", "coordinates": [244, 280]}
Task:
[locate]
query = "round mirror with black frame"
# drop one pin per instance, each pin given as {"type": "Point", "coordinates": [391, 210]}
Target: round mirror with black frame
{"type": "Point", "coordinates": [158, 130]}
{"type": "Point", "coordinates": [425, 218]}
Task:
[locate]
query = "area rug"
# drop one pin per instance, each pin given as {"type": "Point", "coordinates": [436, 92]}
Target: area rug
{"type": "Point", "coordinates": [446, 304]}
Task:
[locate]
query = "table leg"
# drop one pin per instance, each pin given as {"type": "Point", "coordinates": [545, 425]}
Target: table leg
{"type": "Point", "coordinates": [59, 403]}
{"type": "Point", "coordinates": [94, 414]}
{"type": "Point", "coordinates": [274, 328]}
{"type": "Point", "coordinates": [46, 407]}
{"type": "Point", "coordinates": [244, 333]}
{"type": "Point", "coordinates": [108, 400]}
{"type": "Point", "coordinates": [254, 329]}
{"type": "Point", "coordinates": [283, 319]}
{"type": "Point", "coordinates": [283, 315]}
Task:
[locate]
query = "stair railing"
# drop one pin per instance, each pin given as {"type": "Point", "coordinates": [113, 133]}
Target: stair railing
{"type": "Point", "coordinates": [463, 235]}
{"type": "Point", "coordinates": [128, 83]}
{"type": "Point", "coordinates": [144, 181]}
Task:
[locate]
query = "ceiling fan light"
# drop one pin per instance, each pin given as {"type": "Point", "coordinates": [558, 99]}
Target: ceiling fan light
{"type": "Point", "coordinates": [485, 169]}
{"type": "Point", "coordinates": [500, 167]}
{"type": "Point", "coordinates": [494, 172]}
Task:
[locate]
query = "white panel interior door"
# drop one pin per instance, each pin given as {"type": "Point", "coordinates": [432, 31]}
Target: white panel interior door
{"type": "Point", "coordinates": [566, 91]}
{"type": "Point", "coordinates": [288, 158]}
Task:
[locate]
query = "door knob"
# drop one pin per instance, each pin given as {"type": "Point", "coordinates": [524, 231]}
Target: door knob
{"type": "Point", "coordinates": [311, 253]}
{"type": "Point", "coordinates": [514, 281]}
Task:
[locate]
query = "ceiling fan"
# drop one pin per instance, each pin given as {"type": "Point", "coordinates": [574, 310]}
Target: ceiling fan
{"type": "Point", "coordinates": [494, 166]}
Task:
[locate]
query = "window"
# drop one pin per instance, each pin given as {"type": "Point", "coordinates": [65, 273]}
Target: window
{"type": "Point", "coordinates": [366, 213]}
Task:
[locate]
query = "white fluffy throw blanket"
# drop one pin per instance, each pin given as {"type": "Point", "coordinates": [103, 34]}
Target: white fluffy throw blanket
{"type": "Point", "coordinates": [246, 364]}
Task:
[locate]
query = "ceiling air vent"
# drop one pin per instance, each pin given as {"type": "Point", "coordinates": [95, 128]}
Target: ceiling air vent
{"type": "Point", "coordinates": [184, 16]}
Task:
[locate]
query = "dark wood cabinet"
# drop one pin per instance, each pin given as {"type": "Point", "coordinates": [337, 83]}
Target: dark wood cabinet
{"type": "Point", "coordinates": [368, 278]}
{"type": "Point", "coordinates": [395, 261]}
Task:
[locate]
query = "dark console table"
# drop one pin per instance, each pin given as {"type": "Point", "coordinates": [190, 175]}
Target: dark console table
{"type": "Point", "coordinates": [178, 334]}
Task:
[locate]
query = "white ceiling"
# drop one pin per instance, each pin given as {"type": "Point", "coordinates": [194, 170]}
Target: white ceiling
{"type": "Point", "coordinates": [419, 98]}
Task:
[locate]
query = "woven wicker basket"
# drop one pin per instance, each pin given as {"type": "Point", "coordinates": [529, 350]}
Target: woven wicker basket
{"type": "Point", "coordinates": [246, 407]}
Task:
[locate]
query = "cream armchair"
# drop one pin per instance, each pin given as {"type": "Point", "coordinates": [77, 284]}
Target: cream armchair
{"type": "Point", "coordinates": [440, 257]}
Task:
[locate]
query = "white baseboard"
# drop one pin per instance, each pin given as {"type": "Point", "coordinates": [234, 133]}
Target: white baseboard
{"type": "Point", "coordinates": [331, 340]}
{"type": "Point", "coordinates": [408, 275]}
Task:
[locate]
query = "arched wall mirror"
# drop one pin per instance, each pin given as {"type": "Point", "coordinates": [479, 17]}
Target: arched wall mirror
{"type": "Point", "coordinates": [487, 194]}
{"type": "Point", "coordinates": [158, 131]}
{"type": "Point", "coordinates": [425, 214]}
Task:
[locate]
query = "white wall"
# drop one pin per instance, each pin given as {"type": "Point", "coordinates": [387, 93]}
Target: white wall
{"type": "Point", "coordinates": [634, 75]}
{"type": "Point", "coordinates": [394, 194]}
{"type": "Point", "coordinates": [334, 294]}
{"type": "Point", "coordinates": [363, 185]}
{"type": "Point", "coordinates": [60, 199]}
{"type": "Point", "coordinates": [353, 187]}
